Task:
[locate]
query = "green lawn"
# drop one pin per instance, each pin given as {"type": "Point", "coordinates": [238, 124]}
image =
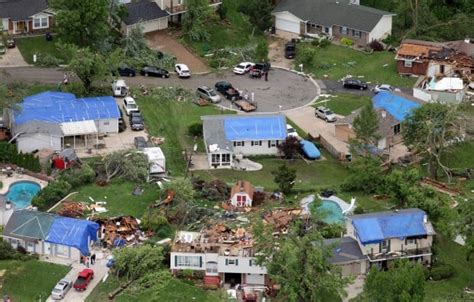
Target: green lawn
{"type": "Point", "coordinates": [344, 103]}
{"type": "Point", "coordinates": [338, 61]}
{"type": "Point", "coordinates": [30, 280]}
{"type": "Point", "coordinates": [37, 45]}
{"type": "Point", "coordinates": [176, 291]}
{"type": "Point", "coordinates": [460, 156]}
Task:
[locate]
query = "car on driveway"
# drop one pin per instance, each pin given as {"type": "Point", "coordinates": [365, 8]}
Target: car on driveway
{"type": "Point", "coordinates": [182, 70]}
{"type": "Point", "coordinates": [385, 87]}
{"type": "Point", "coordinates": [11, 43]}
{"type": "Point", "coordinates": [61, 289]}
{"type": "Point", "coordinates": [3, 50]}
{"type": "Point", "coordinates": [136, 121]}
{"type": "Point", "coordinates": [243, 67]}
{"type": "Point", "coordinates": [208, 93]}
{"type": "Point", "coordinates": [126, 71]}
{"type": "Point", "coordinates": [83, 279]}
{"type": "Point", "coordinates": [140, 142]}
{"type": "Point", "coordinates": [227, 90]}
{"type": "Point", "coordinates": [355, 84]}
{"type": "Point", "coordinates": [129, 105]}
{"type": "Point", "coordinates": [291, 131]}
{"type": "Point", "coordinates": [325, 114]}
{"type": "Point", "coordinates": [154, 71]}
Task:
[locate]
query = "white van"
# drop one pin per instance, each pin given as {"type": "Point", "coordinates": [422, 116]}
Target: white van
{"type": "Point", "coordinates": [129, 105]}
{"type": "Point", "coordinates": [119, 88]}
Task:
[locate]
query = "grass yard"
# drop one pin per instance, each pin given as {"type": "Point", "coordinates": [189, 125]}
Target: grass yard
{"type": "Point", "coordinates": [30, 280]}
{"type": "Point", "coordinates": [176, 291]}
{"type": "Point", "coordinates": [344, 104]}
{"type": "Point", "coordinates": [338, 61]}
{"type": "Point", "coordinates": [460, 156]}
{"type": "Point", "coordinates": [118, 195]}
{"type": "Point", "coordinates": [37, 45]}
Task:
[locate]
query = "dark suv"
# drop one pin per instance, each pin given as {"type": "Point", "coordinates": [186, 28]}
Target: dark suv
{"type": "Point", "coordinates": [355, 84]}
{"type": "Point", "coordinates": [290, 50]}
{"type": "Point", "coordinates": [136, 121]}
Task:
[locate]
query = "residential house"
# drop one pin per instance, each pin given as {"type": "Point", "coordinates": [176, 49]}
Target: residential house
{"type": "Point", "coordinates": [241, 194]}
{"type": "Point", "coordinates": [221, 254]}
{"type": "Point", "coordinates": [25, 16]}
{"type": "Point", "coordinates": [385, 236]}
{"type": "Point", "coordinates": [145, 14]}
{"type": "Point", "coordinates": [347, 254]}
{"type": "Point", "coordinates": [434, 59]}
{"type": "Point", "coordinates": [229, 136]}
{"type": "Point", "coordinates": [177, 8]}
{"type": "Point", "coordinates": [444, 89]}
{"type": "Point", "coordinates": [57, 120]}
{"type": "Point", "coordinates": [333, 18]}
{"type": "Point", "coordinates": [391, 108]}
{"type": "Point", "coordinates": [50, 235]}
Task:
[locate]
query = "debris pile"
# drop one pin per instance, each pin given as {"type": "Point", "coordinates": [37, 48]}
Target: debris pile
{"type": "Point", "coordinates": [281, 218]}
{"type": "Point", "coordinates": [157, 140]}
{"type": "Point", "coordinates": [73, 209]}
{"type": "Point", "coordinates": [120, 231]}
{"type": "Point", "coordinates": [213, 190]}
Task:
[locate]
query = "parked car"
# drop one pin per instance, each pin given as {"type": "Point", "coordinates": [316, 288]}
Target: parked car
{"type": "Point", "coordinates": [309, 149]}
{"type": "Point", "coordinates": [11, 43]}
{"type": "Point", "coordinates": [154, 71]}
{"type": "Point", "coordinates": [208, 93]}
{"type": "Point", "coordinates": [129, 105]}
{"type": "Point", "coordinates": [83, 279]}
{"type": "Point", "coordinates": [140, 142]}
{"type": "Point", "coordinates": [290, 50]}
{"type": "Point", "coordinates": [355, 84]}
{"type": "Point", "coordinates": [291, 131]}
{"type": "Point", "coordinates": [121, 123]}
{"type": "Point", "coordinates": [61, 289]}
{"type": "Point", "coordinates": [126, 71]}
{"type": "Point", "coordinates": [136, 121]}
{"type": "Point", "coordinates": [243, 67]}
{"type": "Point", "coordinates": [325, 114]}
{"type": "Point", "coordinates": [3, 50]}
{"type": "Point", "coordinates": [119, 88]}
{"type": "Point", "coordinates": [227, 90]}
{"type": "Point", "coordinates": [258, 69]}
{"type": "Point", "coordinates": [182, 70]}
{"type": "Point", "coordinates": [385, 87]}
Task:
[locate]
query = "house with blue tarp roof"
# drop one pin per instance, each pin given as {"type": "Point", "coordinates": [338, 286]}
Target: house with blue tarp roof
{"type": "Point", "coordinates": [50, 235]}
{"type": "Point", "coordinates": [229, 136]}
{"type": "Point", "coordinates": [53, 120]}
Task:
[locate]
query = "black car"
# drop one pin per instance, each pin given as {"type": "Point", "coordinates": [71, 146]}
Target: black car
{"type": "Point", "coordinates": [227, 90]}
{"type": "Point", "coordinates": [121, 123]}
{"type": "Point", "coordinates": [259, 69]}
{"type": "Point", "coordinates": [140, 142]}
{"type": "Point", "coordinates": [11, 43]}
{"type": "Point", "coordinates": [154, 71]}
{"type": "Point", "coordinates": [126, 71]}
{"type": "Point", "coordinates": [136, 123]}
{"type": "Point", "coordinates": [355, 84]}
{"type": "Point", "coordinates": [290, 50]}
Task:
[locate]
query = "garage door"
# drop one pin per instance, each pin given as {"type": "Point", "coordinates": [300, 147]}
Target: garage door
{"type": "Point", "coordinates": [154, 25]}
{"type": "Point", "coordinates": [287, 25]}
{"type": "Point", "coordinates": [255, 279]}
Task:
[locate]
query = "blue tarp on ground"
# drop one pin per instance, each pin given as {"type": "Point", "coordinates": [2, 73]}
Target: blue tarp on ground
{"type": "Point", "coordinates": [374, 228]}
{"type": "Point", "coordinates": [60, 107]}
{"type": "Point", "coordinates": [309, 149]}
{"type": "Point", "coordinates": [395, 104]}
{"type": "Point", "coordinates": [73, 232]}
{"type": "Point", "coordinates": [245, 128]}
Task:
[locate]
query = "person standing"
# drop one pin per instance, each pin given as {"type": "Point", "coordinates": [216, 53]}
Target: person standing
{"type": "Point", "coordinates": [93, 259]}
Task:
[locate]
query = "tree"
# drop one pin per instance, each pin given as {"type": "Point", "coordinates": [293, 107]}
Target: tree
{"type": "Point", "coordinates": [466, 225]}
{"type": "Point", "coordinates": [126, 164]}
{"type": "Point", "coordinates": [365, 126]}
{"type": "Point", "coordinates": [428, 130]}
{"type": "Point", "coordinates": [405, 282]}
{"type": "Point", "coordinates": [259, 13]}
{"type": "Point", "coordinates": [88, 66]}
{"type": "Point", "coordinates": [194, 24]}
{"type": "Point", "coordinates": [133, 263]}
{"type": "Point", "coordinates": [289, 148]}
{"type": "Point", "coordinates": [298, 262]}
{"type": "Point", "coordinates": [183, 195]}
{"type": "Point", "coordinates": [284, 178]}
{"type": "Point", "coordinates": [401, 184]}
{"type": "Point", "coordinates": [365, 174]}
{"type": "Point", "coordinates": [83, 23]}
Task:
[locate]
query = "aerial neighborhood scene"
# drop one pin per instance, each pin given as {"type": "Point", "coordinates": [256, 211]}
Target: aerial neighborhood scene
{"type": "Point", "coordinates": [237, 150]}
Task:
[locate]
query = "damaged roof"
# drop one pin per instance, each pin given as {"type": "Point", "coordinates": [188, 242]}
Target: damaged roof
{"type": "Point", "coordinates": [242, 186]}
{"type": "Point", "coordinates": [410, 48]}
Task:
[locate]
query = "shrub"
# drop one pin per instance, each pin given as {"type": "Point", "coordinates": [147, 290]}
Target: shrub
{"type": "Point", "coordinates": [153, 219]}
{"type": "Point", "coordinates": [306, 55]}
{"type": "Point", "coordinates": [54, 192]}
{"type": "Point", "coordinates": [376, 45]}
{"type": "Point", "coordinates": [78, 176]}
{"type": "Point", "coordinates": [47, 60]}
{"type": "Point", "coordinates": [347, 42]}
{"type": "Point", "coordinates": [323, 43]}
{"type": "Point", "coordinates": [359, 210]}
{"type": "Point", "coordinates": [315, 43]}
{"type": "Point", "coordinates": [214, 63]}
{"type": "Point", "coordinates": [442, 272]}
{"type": "Point", "coordinates": [195, 129]}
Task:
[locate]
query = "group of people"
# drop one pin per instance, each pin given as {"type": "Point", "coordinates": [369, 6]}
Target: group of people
{"type": "Point", "coordinates": [88, 260]}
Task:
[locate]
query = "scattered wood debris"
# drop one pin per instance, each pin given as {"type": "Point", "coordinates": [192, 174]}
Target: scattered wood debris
{"type": "Point", "coordinates": [73, 209]}
{"type": "Point", "coordinates": [439, 186]}
{"type": "Point", "coordinates": [281, 218]}
{"type": "Point", "coordinates": [120, 231]}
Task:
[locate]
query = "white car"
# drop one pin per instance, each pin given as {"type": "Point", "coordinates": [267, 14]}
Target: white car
{"type": "Point", "coordinates": [325, 114]}
{"type": "Point", "coordinates": [243, 67]}
{"type": "Point", "coordinates": [129, 105]}
{"type": "Point", "coordinates": [61, 289]}
{"type": "Point", "coordinates": [291, 131]}
{"type": "Point", "coordinates": [385, 87]}
{"type": "Point", "coordinates": [182, 70]}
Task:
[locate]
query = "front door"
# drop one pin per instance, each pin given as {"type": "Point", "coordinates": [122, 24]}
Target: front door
{"type": "Point", "coordinates": [47, 248]}
{"type": "Point", "coordinates": [211, 268]}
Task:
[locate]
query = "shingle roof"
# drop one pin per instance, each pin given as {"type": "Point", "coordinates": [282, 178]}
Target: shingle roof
{"type": "Point", "coordinates": [346, 249]}
{"type": "Point", "coordinates": [143, 11]}
{"type": "Point", "coordinates": [29, 224]}
{"type": "Point", "coordinates": [331, 12]}
{"type": "Point", "coordinates": [242, 186]}
{"type": "Point", "coordinates": [19, 10]}
{"type": "Point", "coordinates": [214, 134]}
{"type": "Point", "coordinates": [386, 121]}
{"type": "Point", "coordinates": [34, 126]}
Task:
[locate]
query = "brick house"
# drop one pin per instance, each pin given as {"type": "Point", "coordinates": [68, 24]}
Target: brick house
{"type": "Point", "coordinates": [25, 16]}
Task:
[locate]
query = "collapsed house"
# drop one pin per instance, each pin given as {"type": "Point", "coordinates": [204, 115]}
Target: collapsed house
{"type": "Point", "coordinates": [120, 231]}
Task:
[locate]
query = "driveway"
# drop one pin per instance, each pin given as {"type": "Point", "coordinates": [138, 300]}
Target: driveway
{"type": "Point", "coordinates": [11, 58]}
{"type": "Point", "coordinates": [276, 52]}
{"type": "Point", "coordinates": [162, 40]}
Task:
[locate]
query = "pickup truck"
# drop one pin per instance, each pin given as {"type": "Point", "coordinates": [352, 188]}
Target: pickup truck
{"type": "Point", "coordinates": [228, 90]}
{"type": "Point", "coordinates": [83, 279]}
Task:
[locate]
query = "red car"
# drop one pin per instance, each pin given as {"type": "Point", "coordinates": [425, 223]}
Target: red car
{"type": "Point", "coordinates": [84, 278]}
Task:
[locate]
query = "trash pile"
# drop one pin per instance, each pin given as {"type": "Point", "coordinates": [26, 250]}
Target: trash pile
{"type": "Point", "coordinates": [156, 140]}
{"type": "Point", "coordinates": [73, 209]}
{"type": "Point", "coordinates": [120, 231]}
{"type": "Point", "coordinates": [281, 218]}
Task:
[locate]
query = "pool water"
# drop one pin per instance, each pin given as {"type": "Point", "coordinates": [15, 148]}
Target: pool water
{"type": "Point", "coordinates": [21, 193]}
{"type": "Point", "coordinates": [331, 212]}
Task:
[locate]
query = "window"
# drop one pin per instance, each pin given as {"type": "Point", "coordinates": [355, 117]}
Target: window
{"type": "Point", "coordinates": [410, 241]}
{"type": "Point", "coordinates": [106, 123]}
{"type": "Point", "coordinates": [344, 30]}
{"type": "Point", "coordinates": [40, 22]}
{"type": "Point", "coordinates": [385, 246]}
{"type": "Point", "coordinates": [256, 143]}
{"type": "Point", "coordinates": [62, 250]}
{"type": "Point", "coordinates": [326, 29]}
{"type": "Point", "coordinates": [356, 33]}
{"type": "Point", "coordinates": [407, 63]}
{"type": "Point", "coordinates": [225, 158]}
{"type": "Point", "coordinates": [252, 262]}
{"type": "Point", "coordinates": [215, 158]}
{"type": "Point", "coordinates": [272, 144]}
{"type": "Point", "coordinates": [189, 261]}
{"type": "Point", "coordinates": [396, 129]}
{"type": "Point", "coordinates": [238, 144]}
{"type": "Point", "coordinates": [313, 25]}
{"type": "Point", "coordinates": [232, 262]}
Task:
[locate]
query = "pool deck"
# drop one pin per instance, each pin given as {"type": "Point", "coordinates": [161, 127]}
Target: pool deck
{"type": "Point", "coordinates": [305, 202]}
{"type": "Point", "coordinates": [7, 181]}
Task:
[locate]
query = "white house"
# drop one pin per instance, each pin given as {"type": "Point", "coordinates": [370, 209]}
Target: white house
{"type": "Point", "coordinates": [145, 14]}
{"type": "Point", "coordinates": [241, 195]}
{"type": "Point", "coordinates": [334, 19]}
{"type": "Point", "coordinates": [228, 136]}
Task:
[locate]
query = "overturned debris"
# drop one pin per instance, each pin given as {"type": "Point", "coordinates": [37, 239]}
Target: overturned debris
{"type": "Point", "coordinates": [281, 218]}
{"type": "Point", "coordinates": [73, 209]}
{"type": "Point", "coordinates": [120, 231]}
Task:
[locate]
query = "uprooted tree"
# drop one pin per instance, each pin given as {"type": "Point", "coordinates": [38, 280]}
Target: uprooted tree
{"type": "Point", "coordinates": [126, 164]}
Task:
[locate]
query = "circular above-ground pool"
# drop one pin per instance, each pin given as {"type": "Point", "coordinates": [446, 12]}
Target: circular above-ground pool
{"type": "Point", "coordinates": [330, 211]}
{"type": "Point", "coordinates": [21, 193]}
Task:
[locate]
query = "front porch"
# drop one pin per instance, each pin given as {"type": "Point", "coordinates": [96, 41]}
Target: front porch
{"type": "Point", "coordinates": [21, 27]}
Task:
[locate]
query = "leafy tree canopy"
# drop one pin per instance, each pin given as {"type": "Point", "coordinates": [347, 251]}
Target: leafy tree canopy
{"type": "Point", "coordinates": [284, 178]}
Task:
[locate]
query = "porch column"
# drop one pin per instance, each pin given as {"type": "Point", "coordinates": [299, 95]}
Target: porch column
{"type": "Point", "coordinates": [74, 142]}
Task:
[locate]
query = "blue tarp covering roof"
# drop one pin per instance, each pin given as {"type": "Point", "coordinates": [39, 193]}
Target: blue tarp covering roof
{"type": "Point", "coordinates": [60, 107]}
{"type": "Point", "coordinates": [73, 232]}
{"type": "Point", "coordinates": [309, 149]}
{"type": "Point", "coordinates": [398, 106]}
{"type": "Point", "coordinates": [265, 127]}
{"type": "Point", "coordinates": [376, 227]}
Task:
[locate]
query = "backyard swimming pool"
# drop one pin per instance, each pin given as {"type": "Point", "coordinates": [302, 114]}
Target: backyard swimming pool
{"type": "Point", "coordinates": [21, 193]}
{"type": "Point", "coordinates": [331, 211]}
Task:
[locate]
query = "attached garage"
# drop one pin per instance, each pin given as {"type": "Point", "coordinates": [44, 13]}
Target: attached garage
{"type": "Point", "coordinates": [255, 279]}
{"type": "Point", "coordinates": [154, 25]}
{"type": "Point", "coordinates": [147, 15]}
{"type": "Point", "coordinates": [288, 22]}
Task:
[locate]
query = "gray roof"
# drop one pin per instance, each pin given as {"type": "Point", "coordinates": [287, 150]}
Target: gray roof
{"type": "Point", "coordinates": [33, 127]}
{"type": "Point", "coordinates": [386, 213]}
{"type": "Point", "coordinates": [386, 123]}
{"type": "Point", "coordinates": [28, 224]}
{"type": "Point", "coordinates": [213, 132]}
{"type": "Point", "coordinates": [19, 10]}
{"type": "Point", "coordinates": [143, 11]}
{"type": "Point", "coordinates": [331, 12]}
{"type": "Point", "coordinates": [346, 249]}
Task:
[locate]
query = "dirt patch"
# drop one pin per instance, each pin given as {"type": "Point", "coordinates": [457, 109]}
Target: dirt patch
{"type": "Point", "coordinates": [276, 52]}
{"type": "Point", "coordinates": [164, 41]}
